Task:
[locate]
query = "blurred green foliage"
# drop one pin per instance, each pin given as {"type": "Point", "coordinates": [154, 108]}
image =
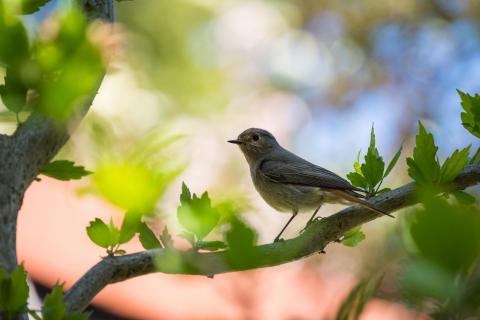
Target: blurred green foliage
{"type": "Point", "coordinates": [354, 304]}
{"type": "Point", "coordinates": [178, 52]}
{"type": "Point", "coordinates": [353, 237]}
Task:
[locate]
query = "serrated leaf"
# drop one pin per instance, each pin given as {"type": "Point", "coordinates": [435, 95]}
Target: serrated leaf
{"type": "Point", "coordinates": [211, 245]}
{"type": "Point", "coordinates": [196, 214]}
{"type": "Point", "coordinates": [129, 227]}
{"type": "Point", "coordinates": [147, 237]}
{"type": "Point", "coordinates": [393, 162]}
{"type": "Point", "coordinates": [357, 180]}
{"type": "Point", "coordinates": [471, 116]}
{"type": "Point", "coordinates": [166, 238]}
{"type": "Point", "coordinates": [64, 170]}
{"type": "Point", "coordinates": [374, 165]}
{"type": "Point", "coordinates": [463, 197]}
{"type": "Point", "coordinates": [13, 292]}
{"type": "Point", "coordinates": [353, 237]}
{"type": "Point", "coordinates": [53, 307]}
{"type": "Point", "coordinates": [32, 6]}
{"type": "Point", "coordinates": [454, 165]}
{"type": "Point", "coordinates": [102, 234]}
{"type": "Point", "coordinates": [424, 166]}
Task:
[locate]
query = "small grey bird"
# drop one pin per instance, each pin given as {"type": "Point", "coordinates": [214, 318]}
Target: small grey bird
{"type": "Point", "coordinates": [289, 183]}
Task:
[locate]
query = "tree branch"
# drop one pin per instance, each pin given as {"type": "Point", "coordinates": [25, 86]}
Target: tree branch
{"type": "Point", "coordinates": [313, 240]}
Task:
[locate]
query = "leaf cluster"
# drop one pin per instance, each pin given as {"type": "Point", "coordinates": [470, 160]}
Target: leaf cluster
{"type": "Point", "coordinates": [53, 74]}
{"type": "Point", "coordinates": [369, 175]}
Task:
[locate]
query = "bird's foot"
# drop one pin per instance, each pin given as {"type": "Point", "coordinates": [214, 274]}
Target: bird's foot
{"type": "Point", "coordinates": [309, 222]}
{"type": "Point", "coordinates": [278, 239]}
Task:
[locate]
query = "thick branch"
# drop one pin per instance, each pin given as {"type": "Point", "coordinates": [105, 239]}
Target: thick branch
{"type": "Point", "coordinates": [314, 239]}
{"type": "Point", "coordinates": [32, 146]}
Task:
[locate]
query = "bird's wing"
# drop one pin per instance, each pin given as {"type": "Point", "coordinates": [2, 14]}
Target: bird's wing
{"type": "Point", "coordinates": [302, 172]}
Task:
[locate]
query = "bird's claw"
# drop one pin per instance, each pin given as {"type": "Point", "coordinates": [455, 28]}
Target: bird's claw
{"type": "Point", "coordinates": [278, 240]}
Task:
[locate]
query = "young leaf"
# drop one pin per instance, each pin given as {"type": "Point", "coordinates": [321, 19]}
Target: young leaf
{"type": "Point", "coordinates": [357, 180]}
{"type": "Point", "coordinates": [373, 167]}
{"type": "Point", "coordinates": [393, 162]}
{"type": "Point", "coordinates": [129, 226]}
{"type": "Point", "coordinates": [64, 170]}
{"type": "Point", "coordinates": [211, 245]}
{"type": "Point", "coordinates": [424, 167]}
{"type": "Point", "coordinates": [166, 238]}
{"type": "Point", "coordinates": [101, 234]}
{"type": "Point", "coordinates": [147, 237]}
{"type": "Point", "coordinates": [471, 116]}
{"type": "Point", "coordinates": [454, 165]}
{"type": "Point", "coordinates": [196, 214]}
{"type": "Point", "coordinates": [53, 307]}
{"type": "Point", "coordinates": [353, 237]}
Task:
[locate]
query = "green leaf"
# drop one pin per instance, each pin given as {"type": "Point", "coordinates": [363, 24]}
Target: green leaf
{"type": "Point", "coordinates": [454, 165]}
{"type": "Point", "coordinates": [424, 167]}
{"type": "Point", "coordinates": [13, 292]}
{"type": "Point", "coordinates": [241, 240]}
{"type": "Point", "coordinates": [463, 197]}
{"type": "Point", "coordinates": [353, 237]}
{"type": "Point", "coordinates": [357, 180]}
{"type": "Point", "coordinates": [354, 304]}
{"type": "Point", "coordinates": [196, 214]}
{"type": "Point", "coordinates": [53, 307]}
{"type": "Point", "coordinates": [32, 6]}
{"type": "Point", "coordinates": [102, 234]}
{"type": "Point", "coordinates": [373, 167]}
{"type": "Point", "coordinates": [211, 245]}
{"type": "Point", "coordinates": [446, 234]}
{"type": "Point", "coordinates": [14, 90]}
{"type": "Point", "coordinates": [64, 170]}
{"type": "Point", "coordinates": [147, 237]}
{"type": "Point", "coordinates": [471, 116]}
{"type": "Point", "coordinates": [393, 162]}
{"type": "Point", "coordinates": [71, 66]}
{"type": "Point", "coordinates": [129, 227]}
{"type": "Point", "coordinates": [476, 157]}
{"type": "Point", "coordinates": [166, 238]}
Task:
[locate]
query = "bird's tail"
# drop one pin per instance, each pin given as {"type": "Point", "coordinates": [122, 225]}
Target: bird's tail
{"type": "Point", "coordinates": [349, 197]}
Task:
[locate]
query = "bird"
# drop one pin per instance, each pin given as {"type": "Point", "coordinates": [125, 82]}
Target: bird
{"type": "Point", "coordinates": [289, 183]}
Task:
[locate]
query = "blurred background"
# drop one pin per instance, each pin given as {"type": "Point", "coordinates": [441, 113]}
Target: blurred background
{"type": "Point", "coordinates": [317, 74]}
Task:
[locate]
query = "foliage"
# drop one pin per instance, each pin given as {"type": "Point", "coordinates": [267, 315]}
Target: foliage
{"type": "Point", "coordinates": [471, 115]}
{"type": "Point", "coordinates": [110, 237]}
{"type": "Point", "coordinates": [353, 237]}
{"type": "Point", "coordinates": [54, 308]}
{"type": "Point", "coordinates": [196, 214]}
{"type": "Point", "coordinates": [424, 166]}
{"type": "Point", "coordinates": [64, 170]}
{"type": "Point", "coordinates": [354, 304]}
{"type": "Point", "coordinates": [370, 174]}
{"type": "Point", "coordinates": [13, 293]}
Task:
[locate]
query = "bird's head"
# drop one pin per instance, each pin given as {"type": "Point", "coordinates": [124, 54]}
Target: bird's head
{"type": "Point", "coordinates": [255, 143]}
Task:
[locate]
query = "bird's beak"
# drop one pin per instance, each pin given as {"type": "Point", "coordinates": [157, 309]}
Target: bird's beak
{"type": "Point", "coordinates": [235, 141]}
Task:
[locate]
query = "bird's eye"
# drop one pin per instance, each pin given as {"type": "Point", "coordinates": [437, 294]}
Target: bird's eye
{"type": "Point", "coordinates": [255, 137]}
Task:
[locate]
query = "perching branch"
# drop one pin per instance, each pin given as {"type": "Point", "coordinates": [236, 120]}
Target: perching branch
{"type": "Point", "coordinates": [313, 240]}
